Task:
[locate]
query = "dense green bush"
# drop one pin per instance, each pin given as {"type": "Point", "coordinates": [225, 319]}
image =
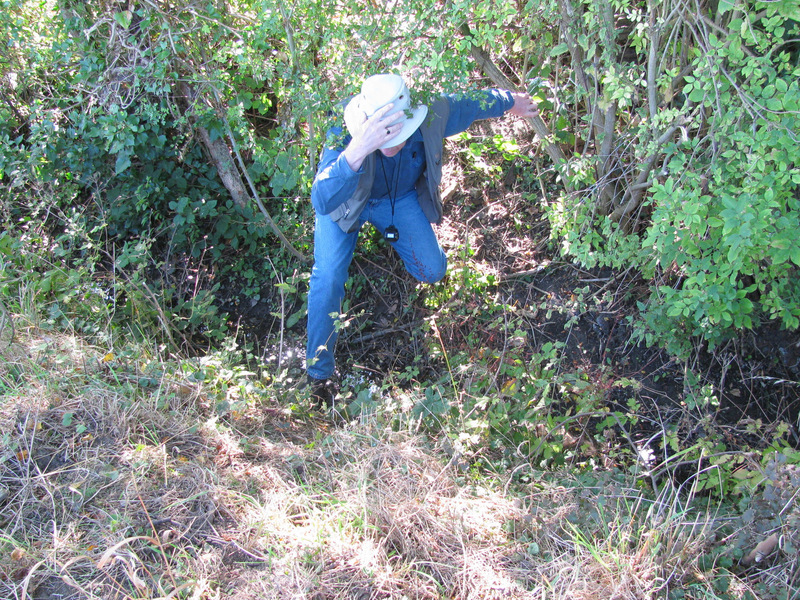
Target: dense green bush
{"type": "Point", "coordinates": [694, 179]}
{"type": "Point", "coordinates": [679, 129]}
{"type": "Point", "coordinates": [728, 214]}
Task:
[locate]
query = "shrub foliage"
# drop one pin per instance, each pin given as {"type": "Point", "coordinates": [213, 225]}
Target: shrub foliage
{"type": "Point", "coordinates": [169, 139]}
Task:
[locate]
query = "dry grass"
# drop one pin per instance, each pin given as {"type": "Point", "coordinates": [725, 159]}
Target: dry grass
{"type": "Point", "coordinates": [114, 488]}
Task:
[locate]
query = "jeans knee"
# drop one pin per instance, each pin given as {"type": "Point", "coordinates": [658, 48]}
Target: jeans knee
{"type": "Point", "coordinates": [326, 279]}
{"type": "Point", "coordinates": [431, 273]}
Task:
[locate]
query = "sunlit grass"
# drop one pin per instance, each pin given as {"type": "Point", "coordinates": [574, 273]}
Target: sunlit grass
{"type": "Point", "coordinates": [130, 472]}
{"type": "Point", "coordinates": [143, 492]}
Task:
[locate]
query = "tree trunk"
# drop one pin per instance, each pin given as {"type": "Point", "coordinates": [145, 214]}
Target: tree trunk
{"type": "Point", "coordinates": [221, 158]}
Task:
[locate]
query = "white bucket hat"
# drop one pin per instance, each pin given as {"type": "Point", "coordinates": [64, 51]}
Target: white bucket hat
{"type": "Point", "coordinates": [378, 91]}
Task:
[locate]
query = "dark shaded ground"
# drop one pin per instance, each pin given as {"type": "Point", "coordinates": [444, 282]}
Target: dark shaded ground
{"type": "Point", "coordinates": [755, 377]}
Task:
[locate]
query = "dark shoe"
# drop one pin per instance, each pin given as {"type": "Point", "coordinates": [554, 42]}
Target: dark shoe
{"type": "Point", "coordinates": [321, 391]}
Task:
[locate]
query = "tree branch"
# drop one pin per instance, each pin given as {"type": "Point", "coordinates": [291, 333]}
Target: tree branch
{"type": "Point", "coordinates": [634, 193]}
{"type": "Point", "coordinates": [481, 57]}
{"type": "Point", "coordinates": [270, 221]}
{"type": "Point", "coordinates": [652, 64]}
{"type": "Point", "coordinates": [228, 173]}
{"type": "Point", "coordinates": [231, 177]}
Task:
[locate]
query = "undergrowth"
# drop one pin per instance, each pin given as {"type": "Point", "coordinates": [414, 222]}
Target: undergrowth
{"type": "Point", "coordinates": [519, 444]}
{"type": "Point", "coordinates": [129, 470]}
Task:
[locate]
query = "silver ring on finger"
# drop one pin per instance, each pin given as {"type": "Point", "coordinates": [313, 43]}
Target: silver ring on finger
{"type": "Point", "coordinates": [388, 132]}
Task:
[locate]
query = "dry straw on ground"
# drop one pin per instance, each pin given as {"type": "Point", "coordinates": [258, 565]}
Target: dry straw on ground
{"type": "Point", "coordinates": [115, 486]}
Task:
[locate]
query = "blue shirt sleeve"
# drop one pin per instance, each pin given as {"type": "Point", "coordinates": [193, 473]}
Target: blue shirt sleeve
{"type": "Point", "coordinates": [335, 181]}
{"type": "Point", "coordinates": [465, 109]}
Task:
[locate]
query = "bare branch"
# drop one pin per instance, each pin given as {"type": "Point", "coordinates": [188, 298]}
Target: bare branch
{"type": "Point", "coordinates": [633, 196]}
{"type": "Point", "coordinates": [652, 63]}
{"type": "Point", "coordinates": [499, 78]}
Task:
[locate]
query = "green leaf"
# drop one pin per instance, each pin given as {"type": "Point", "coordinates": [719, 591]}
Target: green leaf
{"type": "Point", "coordinates": [789, 9]}
{"type": "Point", "coordinates": [794, 253]}
{"type": "Point", "coordinates": [559, 50]}
{"type": "Point", "coordinates": [725, 6]}
{"type": "Point", "coordinates": [675, 310]}
{"type": "Point", "coordinates": [294, 318]}
{"type": "Point", "coordinates": [286, 288]}
{"type": "Point", "coordinates": [774, 104]}
{"type": "Point", "coordinates": [124, 18]}
{"type": "Point", "coordinates": [746, 306]}
{"type": "Point", "coordinates": [123, 162]}
{"type": "Point", "coordinates": [697, 95]}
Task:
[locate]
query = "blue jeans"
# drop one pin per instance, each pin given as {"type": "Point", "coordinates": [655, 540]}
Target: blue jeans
{"type": "Point", "coordinates": [333, 251]}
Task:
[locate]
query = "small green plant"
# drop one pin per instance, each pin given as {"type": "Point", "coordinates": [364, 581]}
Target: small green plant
{"type": "Point", "coordinates": [480, 151]}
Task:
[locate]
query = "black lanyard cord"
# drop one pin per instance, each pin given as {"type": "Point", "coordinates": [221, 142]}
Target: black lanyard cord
{"type": "Point", "coordinates": [391, 233]}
